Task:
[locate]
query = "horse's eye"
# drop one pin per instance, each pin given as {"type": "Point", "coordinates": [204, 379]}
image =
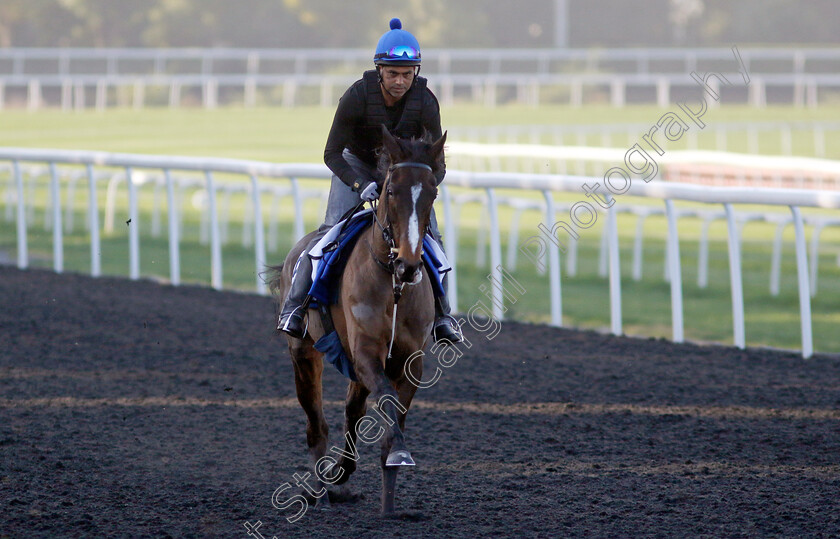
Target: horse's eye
{"type": "Point", "coordinates": [390, 192]}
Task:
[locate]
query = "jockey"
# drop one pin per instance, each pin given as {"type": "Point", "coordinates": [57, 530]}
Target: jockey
{"type": "Point", "coordinates": [394, 95]}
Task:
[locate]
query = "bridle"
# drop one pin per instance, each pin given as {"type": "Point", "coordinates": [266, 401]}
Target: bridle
{"type": "Point", "coordinates": [387, 229]}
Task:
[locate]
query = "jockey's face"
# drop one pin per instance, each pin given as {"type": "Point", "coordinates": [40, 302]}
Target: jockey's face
{"type": "Point", "coordinates": [396, 80]}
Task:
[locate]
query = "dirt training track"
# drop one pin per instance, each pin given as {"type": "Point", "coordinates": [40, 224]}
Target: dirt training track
{"type": "Point", "coordinates": [131, 409]}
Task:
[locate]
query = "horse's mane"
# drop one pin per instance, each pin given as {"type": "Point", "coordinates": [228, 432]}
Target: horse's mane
{"type": "Point", "coordinates": [414, 149]}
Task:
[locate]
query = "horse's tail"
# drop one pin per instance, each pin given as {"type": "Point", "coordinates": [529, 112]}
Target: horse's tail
{"type": "Point", "coordinates": [273, 275]}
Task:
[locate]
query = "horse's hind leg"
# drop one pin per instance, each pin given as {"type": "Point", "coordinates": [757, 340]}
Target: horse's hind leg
{"type": "Point", "coordinates": [309, 367]}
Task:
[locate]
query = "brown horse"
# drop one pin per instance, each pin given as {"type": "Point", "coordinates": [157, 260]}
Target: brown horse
{"type": "Point", "coordinates": [386, 257]}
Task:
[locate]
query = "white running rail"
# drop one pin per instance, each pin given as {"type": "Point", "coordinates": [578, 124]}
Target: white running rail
{"type": "Point", "coordinates": [489, 183]}
{"type": "Point", "coordinates": [80, 75]}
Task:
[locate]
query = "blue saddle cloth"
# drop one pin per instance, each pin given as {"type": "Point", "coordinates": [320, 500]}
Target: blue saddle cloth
{"type": "Point", "coordinates": [328, 268]}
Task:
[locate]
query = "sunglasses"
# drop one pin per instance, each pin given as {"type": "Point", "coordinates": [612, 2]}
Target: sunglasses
{"type": "Point", "coordinates": [401, 52]}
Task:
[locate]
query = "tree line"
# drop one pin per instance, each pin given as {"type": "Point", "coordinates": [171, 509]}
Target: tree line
{"type": "Point", "coordinates": [436, 23]}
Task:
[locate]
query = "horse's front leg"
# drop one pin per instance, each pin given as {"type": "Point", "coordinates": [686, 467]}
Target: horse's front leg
{"type": "Point", "coordinates": [354, 410]}
{"type": "Point", "coordinates": [405, 390]}
{"type": "Point", "coordinates": [390, 407]}
{"type": "Point", "coordinates": [387, 404]}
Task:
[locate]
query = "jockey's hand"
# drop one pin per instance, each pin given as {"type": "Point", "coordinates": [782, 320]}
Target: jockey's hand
{"type": "Point", "coordinates": [369, 193]}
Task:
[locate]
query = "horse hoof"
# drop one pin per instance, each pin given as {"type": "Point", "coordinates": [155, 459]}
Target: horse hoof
{"type": "Point", "coordinates": [399, 458]}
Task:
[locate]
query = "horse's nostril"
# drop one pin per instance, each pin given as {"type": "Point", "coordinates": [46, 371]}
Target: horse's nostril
{"type": "Point", "coordinates": [407, 273]}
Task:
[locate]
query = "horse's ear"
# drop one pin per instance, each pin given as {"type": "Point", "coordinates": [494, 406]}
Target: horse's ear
{"type": "Point", "coordinates": [392, 147]}
{"type": "Point", "coordinates": [437, 147]}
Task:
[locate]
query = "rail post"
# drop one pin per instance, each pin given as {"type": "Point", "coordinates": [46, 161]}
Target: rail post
{"type": "Point", "coordinates": [804, 288]}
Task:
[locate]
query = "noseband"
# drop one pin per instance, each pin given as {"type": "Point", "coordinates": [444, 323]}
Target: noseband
{"type": "Point", "coordinates": [408, 164]}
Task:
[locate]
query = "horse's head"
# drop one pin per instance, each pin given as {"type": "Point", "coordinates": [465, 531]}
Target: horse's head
{"type": "Point", "coordinates": [405, 202]}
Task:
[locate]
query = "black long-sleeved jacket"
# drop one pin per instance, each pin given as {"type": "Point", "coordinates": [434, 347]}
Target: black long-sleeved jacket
{"type": "Point", "coordinates": [358, 119]}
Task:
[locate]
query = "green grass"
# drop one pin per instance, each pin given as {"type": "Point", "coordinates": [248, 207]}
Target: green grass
{"type": "Point", "coordinates": [287, 135]}
{"type": "Point", "coordinates": [281, 135]}
{"type": "Point", "coordinates": [299, 134]}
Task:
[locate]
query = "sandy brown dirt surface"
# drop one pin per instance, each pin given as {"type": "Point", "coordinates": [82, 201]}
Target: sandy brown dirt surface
{"type": "Point", "coordinates": [132, 409]}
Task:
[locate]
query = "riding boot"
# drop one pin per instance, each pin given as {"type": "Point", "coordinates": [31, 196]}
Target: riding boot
{"type": "Point", "coordinates": [292, 316]}
{"type": "Point", "coordinates": [446, 327]}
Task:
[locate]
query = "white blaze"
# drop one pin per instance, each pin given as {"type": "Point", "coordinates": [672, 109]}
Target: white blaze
{"type": "Point", "coordinates": [413, 221]}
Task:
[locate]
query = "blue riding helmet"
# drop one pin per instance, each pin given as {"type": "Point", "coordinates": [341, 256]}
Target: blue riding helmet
{"type": "Point", "coordinates": [397, 47]}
